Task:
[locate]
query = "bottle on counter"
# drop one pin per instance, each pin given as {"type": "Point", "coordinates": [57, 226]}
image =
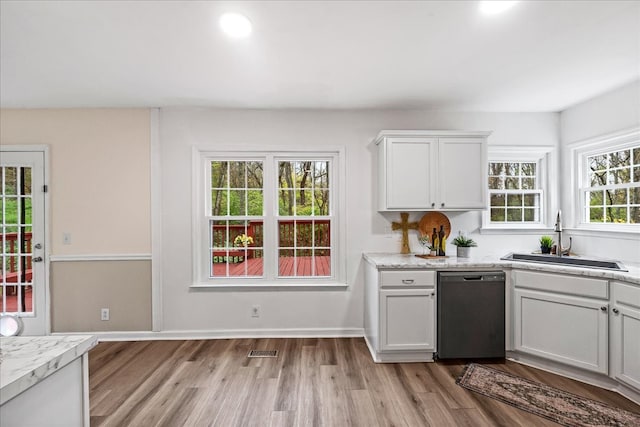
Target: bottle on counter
{"type": "Point", "coordinates": [443, 241]}
{"type": "Point", "coordinates": [435, 243]}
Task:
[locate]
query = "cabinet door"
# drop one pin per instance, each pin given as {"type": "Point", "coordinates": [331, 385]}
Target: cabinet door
{"type": "Point", "coordinates": [562, 328]}
{"type": "Point", "coordinates": [462, 173]}
{"type": "Point", "coordinates": [407, 319]}
{"type": "Point", "coordinates": [410, 171]}
{"type": "Point", "coordinates": [625, 330]}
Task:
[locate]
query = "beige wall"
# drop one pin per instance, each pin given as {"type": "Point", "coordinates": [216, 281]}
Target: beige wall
{"type": "Point", "coordinates": [80, 289]}
{"type": "Point", "coordinates": [99, 175]}
{"type": "Point", "coordinates": [99, 181]}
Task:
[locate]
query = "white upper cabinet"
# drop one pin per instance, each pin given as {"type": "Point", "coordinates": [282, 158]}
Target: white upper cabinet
{"type": "Point", "coordinates": [425, 170]}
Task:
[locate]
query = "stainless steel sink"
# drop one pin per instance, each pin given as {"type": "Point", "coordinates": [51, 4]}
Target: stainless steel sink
{"type": "Point", "coordinates": [570, 261]}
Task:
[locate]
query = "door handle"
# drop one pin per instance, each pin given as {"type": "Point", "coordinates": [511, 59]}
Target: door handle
{"type": "Point", "coordinates": [37, 259]}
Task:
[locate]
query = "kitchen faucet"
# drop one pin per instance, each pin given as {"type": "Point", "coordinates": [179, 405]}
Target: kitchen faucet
{"type": "Point", "coordinates": [558, 229]}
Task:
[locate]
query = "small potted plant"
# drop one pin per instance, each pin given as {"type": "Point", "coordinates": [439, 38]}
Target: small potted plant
{"type": "Point", "coordinates": [546, 243]}
{"type": "Point", "coordinates": [463, 245]}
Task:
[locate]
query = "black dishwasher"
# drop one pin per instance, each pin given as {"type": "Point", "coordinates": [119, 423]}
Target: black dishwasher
{"type": "Point", "coordinates": [470, 314]}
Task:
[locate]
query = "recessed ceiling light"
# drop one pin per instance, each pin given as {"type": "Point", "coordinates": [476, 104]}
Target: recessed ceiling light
{"type": "Point", "coordinates": [235, 25]}
{"type": "Point", "coordinates": [495, 7]}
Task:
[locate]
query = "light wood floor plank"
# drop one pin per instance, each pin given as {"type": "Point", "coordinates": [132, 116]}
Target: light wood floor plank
{"type": "Point", "coordinates": [361, 407]}
{"type": "Point", "coordinates": [312, 382]}
{"type": "Point", "coordinates": [282, 419]}
{"type": "Point", "coordinates": [333, 397]}
{"type": "Point", "coordinates": [307, 409]}
{"type": "Point", "coordinates": [436, 410]}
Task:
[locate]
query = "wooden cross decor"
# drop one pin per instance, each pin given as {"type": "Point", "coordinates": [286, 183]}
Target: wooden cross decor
{"type": "Point", "coordinates": [405, 226]}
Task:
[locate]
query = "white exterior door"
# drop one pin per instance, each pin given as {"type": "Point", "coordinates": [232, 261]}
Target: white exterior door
{"type": "Point", "coordinates": [22, 228]}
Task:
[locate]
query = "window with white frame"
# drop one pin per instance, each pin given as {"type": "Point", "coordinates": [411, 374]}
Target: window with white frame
{"type": "Point", "coordinates": [267, 218]}
{"type": "Point", "coordinates": [516, 187]}
{"type": "Point", "coordinates": [514, 194]}
{"type": "Point", "coordinates": [610, 187]}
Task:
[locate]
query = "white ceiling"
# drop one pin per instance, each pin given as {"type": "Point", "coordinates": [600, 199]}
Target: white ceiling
{"type": "Point", "coordinates": [538, 56]}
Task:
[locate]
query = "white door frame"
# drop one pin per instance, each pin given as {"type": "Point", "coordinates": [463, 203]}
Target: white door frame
{"type": "Point", "coordinates": [44, 149]}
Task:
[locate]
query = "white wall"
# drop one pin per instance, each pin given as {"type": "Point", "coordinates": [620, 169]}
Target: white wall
{"type": "Point", "coordinates": [614, 111]}
{"type": "Point", "coordinates": [368, 230]}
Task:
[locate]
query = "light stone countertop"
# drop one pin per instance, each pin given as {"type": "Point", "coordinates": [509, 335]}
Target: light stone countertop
{"type": "Point", "coordinates": [390, 261]}
{"type": "Point", "coordinates": [25, 361]}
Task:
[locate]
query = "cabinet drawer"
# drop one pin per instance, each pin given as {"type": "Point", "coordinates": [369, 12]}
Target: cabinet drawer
{"type": "Point", "coordinates": [574, 285]}
{"type": "Point", "coordinates": [413, 278]}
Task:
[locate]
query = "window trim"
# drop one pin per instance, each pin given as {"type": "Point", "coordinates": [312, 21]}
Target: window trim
{"type": "Point", "coordinates": [546, 161]}
{"type": "Point", "coordinates": [203, 154]}
{"type": "Point", "coordinates": [579, 151]}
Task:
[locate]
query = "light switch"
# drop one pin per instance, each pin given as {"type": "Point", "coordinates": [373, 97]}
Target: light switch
{"type": "Point", "coordinates": [66, 238]}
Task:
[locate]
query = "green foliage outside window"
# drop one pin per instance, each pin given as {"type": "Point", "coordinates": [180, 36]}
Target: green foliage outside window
{"type": "Point", "coordinates": [613, 195]}
{"type": "Point", "coordinates": [510, 196]}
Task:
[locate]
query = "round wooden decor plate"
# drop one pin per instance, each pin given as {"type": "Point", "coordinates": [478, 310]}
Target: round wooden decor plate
{"type": "Point", "coordinates": [432, 220]}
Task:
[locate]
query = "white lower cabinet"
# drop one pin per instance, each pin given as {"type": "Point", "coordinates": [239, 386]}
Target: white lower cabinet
{"type": "Point", "coordinates": [407, 319]}
{"type": "Point", "coordinates": [563, 328]}
{"type": "Point", "coordinates": [625, 334]}
{"type": "Point", "coordinates": [400, 314]}
{"type": "Point", "coordinates": [568, 325]}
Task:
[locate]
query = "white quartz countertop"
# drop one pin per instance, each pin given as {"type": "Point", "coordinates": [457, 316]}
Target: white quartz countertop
{"type": "Point", "coordinates": [25, 361]}
{"type": "Point", "coordinates": [397, 261]}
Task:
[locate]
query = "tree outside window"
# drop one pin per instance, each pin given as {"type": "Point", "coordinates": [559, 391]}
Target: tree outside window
{"type": "Point", "coordinates": [613, 187]}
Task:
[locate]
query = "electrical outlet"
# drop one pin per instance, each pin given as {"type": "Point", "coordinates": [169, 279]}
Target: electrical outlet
{"type": "Point", "coordinates": [66, 238]}
{"type": "Point", "coordinates": [104, 314]}
{"type": "Point", "coordinates": [255, 311]}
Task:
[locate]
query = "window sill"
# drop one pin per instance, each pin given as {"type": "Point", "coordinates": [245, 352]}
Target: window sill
{"type": "Point", "coordinates": [515, 230]}
{"type": "Point", "coordinates": [269, 287]}
{"type": "Point", "coordinates": [618, 233]}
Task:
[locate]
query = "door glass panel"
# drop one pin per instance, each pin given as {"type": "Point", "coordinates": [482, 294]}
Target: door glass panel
{"type": "Point", "coordinates": [16, 235]}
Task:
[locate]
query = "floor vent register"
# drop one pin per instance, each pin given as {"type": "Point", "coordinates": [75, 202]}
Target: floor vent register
{"type": "Point", "coordinates": [263, 353]}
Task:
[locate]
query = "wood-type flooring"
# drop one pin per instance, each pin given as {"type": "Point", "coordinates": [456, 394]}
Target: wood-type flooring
{"type": "Point", "coordinates": [312, 382]}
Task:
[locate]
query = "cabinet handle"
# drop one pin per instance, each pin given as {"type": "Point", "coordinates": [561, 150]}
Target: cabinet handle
{"type": "Point", "coordinates": [616, 311]}
{"type": "Point", "coordinates": [433, 205]}
{"type": "Point", "coordinates": [407, 281]}
{"type": "Point", "coordinates": [603, 308]}
{"type": "Point", "coordinates": [442, 204]}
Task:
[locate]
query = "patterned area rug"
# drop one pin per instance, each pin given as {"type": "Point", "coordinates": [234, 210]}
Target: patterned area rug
{"type": "Point", "coordinates": [548, 402]}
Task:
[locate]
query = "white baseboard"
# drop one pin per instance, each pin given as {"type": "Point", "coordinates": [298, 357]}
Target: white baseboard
{"type": "Point", "coordinates": [399, 356]}
{"type": "Point", "coordinates": [222, 334]}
